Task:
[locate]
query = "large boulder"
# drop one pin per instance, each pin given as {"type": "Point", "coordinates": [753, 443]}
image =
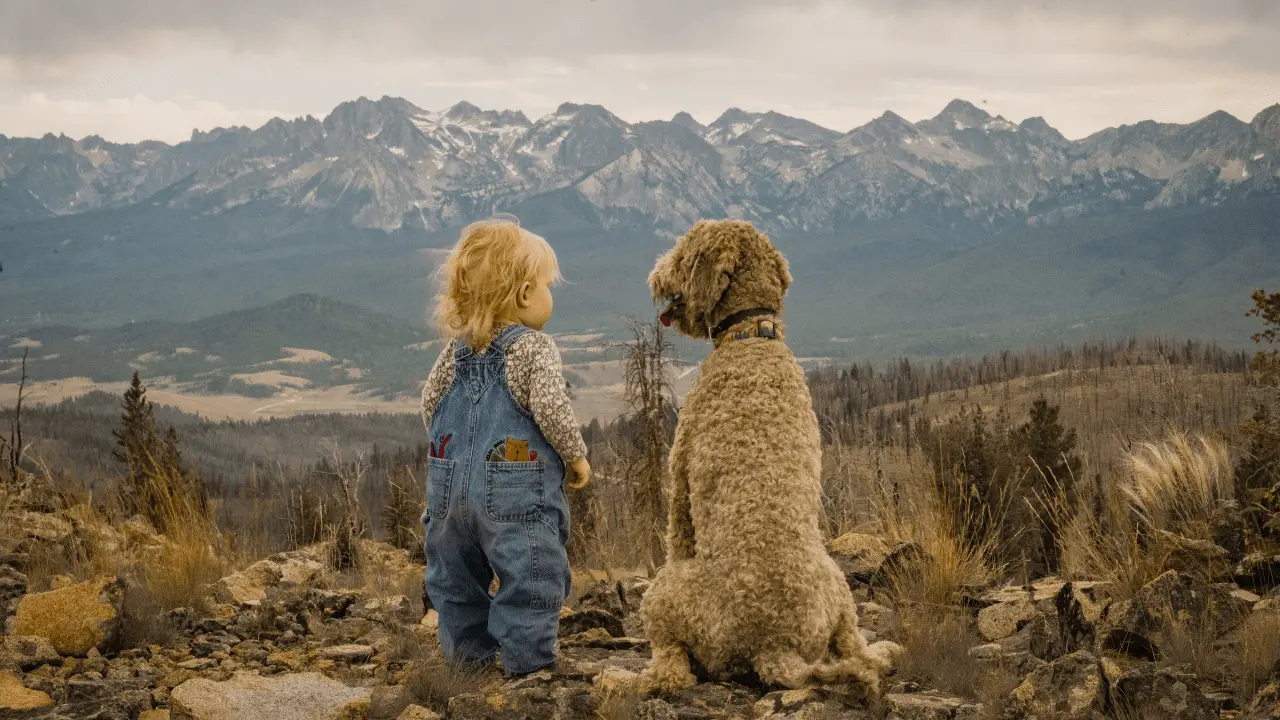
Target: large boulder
{"type": "Point", "coordinates": [1004, 619]}
{"type": "Point", "coordinates": [1259, 572]}
{"type": "Point", "coordinates": [1079, 606]}
{"type": "Point", "coordinates": [859, 556]}
{"type": "Point", "coordinates": [1071, 686]}
{"type": "Point", "coordinates": [251, 585]}
{"type": "Point", "coordinates": [304, 696]}
{"type": "Point", "coordinates": [1150, 691]}
{"type": "Point", "coordinates": [1172, 603]}
{"type": "Point", "coordinates": [13, 696]}
{"type": "Point", "coordinates": [74, 619]}
{"type": "Point", "coordinates": [1193, 557]}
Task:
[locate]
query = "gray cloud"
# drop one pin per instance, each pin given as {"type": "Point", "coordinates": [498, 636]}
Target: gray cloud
{"type": "Point", "coordinates": [54, 30]}
{"type": "Point", "coordinates": [49, 30]}
{"type": "Point", "coordinates": [160, 67]}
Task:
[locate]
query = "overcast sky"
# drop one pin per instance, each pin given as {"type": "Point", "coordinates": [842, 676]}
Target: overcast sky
{"type": "Point", "coordinates": [135, 69]}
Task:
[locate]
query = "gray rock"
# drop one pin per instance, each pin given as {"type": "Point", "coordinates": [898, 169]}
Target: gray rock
{"type": "Point", "coordinates": [1005, 619]}
{"type": "Point", "coordinates": [304, 696]}
{"type": "Point", "coordinates": [923, 706]}
{"type": "Point", "coordinates": [591, 618]}
{"type": "Point", "coordinates": [1071, 686]}
{"type": "Point", "coordinates": [1139, 626]}
{"type": "Point", "coordinates": [26, 653]}
{"type": "Point", "coordinates": [347, 653]}
{"type": "Point", "coordinates": [1148, 691]}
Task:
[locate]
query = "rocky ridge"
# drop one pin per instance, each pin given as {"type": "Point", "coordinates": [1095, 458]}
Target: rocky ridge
{"type": "Point", "coordinates": [389, 164]}
{"type": "Point", "coordinates": [289, 637]}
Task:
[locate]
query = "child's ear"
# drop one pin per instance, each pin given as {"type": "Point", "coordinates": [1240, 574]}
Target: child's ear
{"type": "Point", "coordinates": [522, 295]}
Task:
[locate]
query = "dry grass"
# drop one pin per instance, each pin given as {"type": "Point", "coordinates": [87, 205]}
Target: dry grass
{"type": "Point", "coordinates": [618, 704]}
{"type": "Point", "coordinates": [1176, 485]}
{"type": "Point", "coordinates": [936, 644]}
{"type": "Point", "coordinates": [432, 685]}
{"type": "Point", "coordinates": [1189, 642]}
{"type": "Point", "coordinates": [1260, 653]}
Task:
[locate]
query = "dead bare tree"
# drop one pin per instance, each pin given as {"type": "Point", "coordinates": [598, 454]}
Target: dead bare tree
{"type": "Point", "coordinates": [647, 360]}
{"type": "Point", "coordinates": [349, 527]}
{"type": "Point", "coordinates": [12, 447]}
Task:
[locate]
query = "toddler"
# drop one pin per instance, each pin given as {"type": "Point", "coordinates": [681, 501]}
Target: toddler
{"type": "Point", "coordinates": [503, 436]}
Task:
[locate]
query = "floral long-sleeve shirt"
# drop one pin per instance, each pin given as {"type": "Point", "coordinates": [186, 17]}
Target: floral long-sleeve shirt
{"type": "Point", "coordinates": [537, 383]}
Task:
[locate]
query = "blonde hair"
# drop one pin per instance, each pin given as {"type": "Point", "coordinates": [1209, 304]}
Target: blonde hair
{"type": "Point", "coordinates": [484, 272]}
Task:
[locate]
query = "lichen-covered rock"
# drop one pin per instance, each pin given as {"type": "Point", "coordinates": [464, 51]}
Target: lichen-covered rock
{"type": "Point", "coordinates": [26, 653]}
{"type": "Point", "coordinates": [304, 696]}
{"type": "Point", "coordinates": [350, 653]}
{"type": "Point", "coordinates": [1148, 691]}
{"type": "Point", "coordinates": [73, 619]}
{"type": "Point", "coordinates": [395, 609]}
{"type": "Point", "coordinates": [13, 585]}
{"type": "Point", "coordinates": [1071, 686]}
{"type": "Point", "coordinates": [1200, 558]}
{"type": "Point", "coordinates": [1004, 619]}
{"type": "Point", "coordinates": [45, 527]}
{"type": "Point", "coordinates": [1259, 572]}
{"type": "Point", "coordinates": [877, 618]}
{"type": "Point", "coordinates": [923, 706]}
{"type": "Point", "coordinates": [1266, 702]}
{"type": "Point", "coordinates": [417, 712]}
{"type": "Point", "coordinates": [859, 556]}
{"type": "Point", "coordinates": [816, 703]}
{"type": "Point", "coordinates": [588, 619]}
{"type": "Point", "coordinates": [1078, 607]}
{"type": "Point", "coordinates": [1173, 601]}
{"type": "Point", "coordinates": [13, 696]}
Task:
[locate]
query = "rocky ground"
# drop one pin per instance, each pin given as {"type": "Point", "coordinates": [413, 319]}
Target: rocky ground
{"type": "Point", "coordinates": [288, 638]}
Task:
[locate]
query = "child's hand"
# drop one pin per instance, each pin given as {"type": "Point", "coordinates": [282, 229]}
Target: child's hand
{"type": "Point", "coordinates": [580, 470]}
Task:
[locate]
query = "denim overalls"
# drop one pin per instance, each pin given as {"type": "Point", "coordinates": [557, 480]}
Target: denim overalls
{"type": "Point", "coordinates": [487, 514]}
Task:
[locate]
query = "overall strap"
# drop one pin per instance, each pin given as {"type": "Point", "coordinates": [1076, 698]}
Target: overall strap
{"type": "Point", "coordinates": [509, 335]}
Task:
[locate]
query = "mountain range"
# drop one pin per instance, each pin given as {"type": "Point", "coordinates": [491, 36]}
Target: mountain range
{"type": "Point", "coordinates": [389, 164]}
{"type": "Point", "coordinates": [958, 233]}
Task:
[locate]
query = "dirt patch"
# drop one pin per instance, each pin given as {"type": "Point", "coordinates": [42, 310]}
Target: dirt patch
{"type": "Point", "coordinates": [303, 355]}
{"type": "Point", "coordinates": [274, 378]}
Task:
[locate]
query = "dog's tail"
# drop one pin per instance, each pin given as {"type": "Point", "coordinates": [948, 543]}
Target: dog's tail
{"type": "Point", "coordinates": [854, 658]}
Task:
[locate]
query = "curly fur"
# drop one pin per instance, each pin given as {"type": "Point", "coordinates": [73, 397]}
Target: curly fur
{"type": "Point", "coordinates": [748, 582]}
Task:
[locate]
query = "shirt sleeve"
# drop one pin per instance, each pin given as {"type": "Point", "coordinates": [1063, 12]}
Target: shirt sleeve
{"type": "Point", "coordinates": [438, 382]}
{"type": "Point", "coordinates": [533, 366]}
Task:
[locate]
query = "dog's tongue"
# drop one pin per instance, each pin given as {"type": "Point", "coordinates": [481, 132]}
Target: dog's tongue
{"type": "Point", "coordinates": [666, 321]}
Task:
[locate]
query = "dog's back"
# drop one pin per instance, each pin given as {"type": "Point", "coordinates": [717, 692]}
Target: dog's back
{"type": "Point", "coordinates": [753, 403]}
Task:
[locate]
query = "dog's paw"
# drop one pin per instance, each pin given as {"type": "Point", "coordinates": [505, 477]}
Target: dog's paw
{"type": "Point", "coordinates": [664, 681]}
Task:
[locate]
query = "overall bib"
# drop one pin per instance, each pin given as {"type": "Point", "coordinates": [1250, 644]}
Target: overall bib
{"type": "Point", "coordinates": [494, 506]}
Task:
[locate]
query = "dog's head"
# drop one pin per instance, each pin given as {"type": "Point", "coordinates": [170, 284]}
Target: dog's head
{"type": "Point", "coordinates": [716, 269]}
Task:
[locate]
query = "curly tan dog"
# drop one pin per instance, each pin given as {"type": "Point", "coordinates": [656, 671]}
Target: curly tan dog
{"type": "Point", "coordinates": [748, 583]}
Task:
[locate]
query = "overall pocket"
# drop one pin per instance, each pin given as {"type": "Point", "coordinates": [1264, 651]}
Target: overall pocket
{"type": "Point", "coordinates": [513, 490]}
{"type": "Point", "coordinates": [439, 482]}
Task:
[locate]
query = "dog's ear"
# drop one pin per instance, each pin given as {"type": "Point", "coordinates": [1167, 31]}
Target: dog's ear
{"type": "Point", "coordinates": [784, 270]}
{"type": "Point", "coordinates": [711, 263]}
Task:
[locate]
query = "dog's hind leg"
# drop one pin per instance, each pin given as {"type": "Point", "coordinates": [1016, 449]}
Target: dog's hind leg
{"type": "Point", "coordinates": [668, 672]}
{"type": "Point", "coordinates": [856, 659]}
{"type": "Point", "coordinates": [783, 667]}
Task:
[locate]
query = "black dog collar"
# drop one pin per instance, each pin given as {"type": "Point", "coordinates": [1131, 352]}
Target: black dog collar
{"type": "Point", "coordinates": [763, 328]}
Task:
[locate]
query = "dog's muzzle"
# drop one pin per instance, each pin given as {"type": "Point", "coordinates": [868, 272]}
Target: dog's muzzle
{"type": "Point", "coordinates": [673, 309]}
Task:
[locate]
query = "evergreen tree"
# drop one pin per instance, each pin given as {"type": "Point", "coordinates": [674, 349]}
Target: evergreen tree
{"type": "Point", "coordinates": [138, 437]}
{"type": "Point", "coordinates": [1049, 447]}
